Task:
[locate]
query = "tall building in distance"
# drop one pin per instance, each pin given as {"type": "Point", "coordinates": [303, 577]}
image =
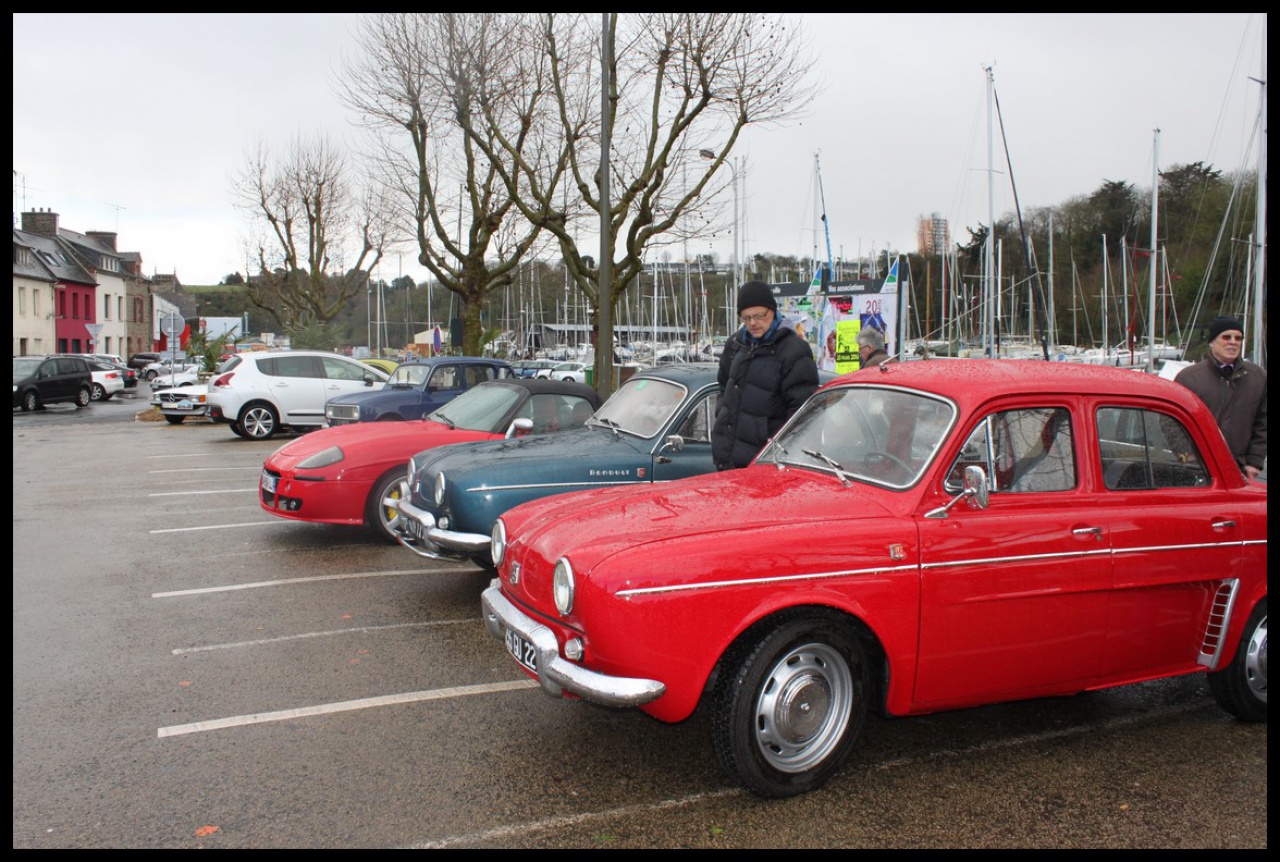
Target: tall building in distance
{"type": "Point", "coordinates": [932, 235]}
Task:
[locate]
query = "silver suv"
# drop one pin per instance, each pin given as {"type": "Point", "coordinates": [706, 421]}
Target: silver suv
{"type": "Point", "coordinates": [258, 394]}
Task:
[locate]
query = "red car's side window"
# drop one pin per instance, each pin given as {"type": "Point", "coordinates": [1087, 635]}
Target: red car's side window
{"type": "Point", "coordinates": [1144, 450]}
{"type": "Point", "coordinates": [1021, 451]}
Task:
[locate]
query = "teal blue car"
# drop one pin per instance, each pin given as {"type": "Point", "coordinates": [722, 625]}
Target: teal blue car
{"type": "Point", "coordinates": [655, 428]}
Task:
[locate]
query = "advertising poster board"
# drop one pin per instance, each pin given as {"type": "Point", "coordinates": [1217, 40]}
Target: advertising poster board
{"type": "Point", "coordinates": [830, 317]}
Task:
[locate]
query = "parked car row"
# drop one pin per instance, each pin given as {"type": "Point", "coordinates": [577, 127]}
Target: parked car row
{"type": "Point", "coordinates": [355, 473]}
{"type": "Point", "coordinates": [919, 537]}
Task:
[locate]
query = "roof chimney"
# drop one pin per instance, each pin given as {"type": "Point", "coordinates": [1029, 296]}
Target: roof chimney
{"type": "Point", "coordinates": [106, 237]}
{"type": "Point", "coordinates": [41, 222]}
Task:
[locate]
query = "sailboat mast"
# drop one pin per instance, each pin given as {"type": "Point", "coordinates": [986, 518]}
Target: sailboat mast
{"type": "Point", "coordinates": [1151, 290]}
{"type": "Point", "coordinates": [1260, 221]}
{"type": "Point", "coordinates": [988, 324]}
{"type": "Point", "coordinates": [1106, 271]}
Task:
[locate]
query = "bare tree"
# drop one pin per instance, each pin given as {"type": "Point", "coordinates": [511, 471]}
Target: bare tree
{"type": "Point", "coordinates": [414, 76]}
{"type": "Point", "coordinates": [316, 235]}
{"type": "Point", "coordinates": [679, 84]}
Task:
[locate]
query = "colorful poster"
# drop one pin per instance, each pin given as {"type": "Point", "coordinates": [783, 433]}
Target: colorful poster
{"type": "Point", "coordinates": [847, 345]}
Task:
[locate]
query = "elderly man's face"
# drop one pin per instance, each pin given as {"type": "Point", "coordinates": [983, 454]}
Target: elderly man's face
{"type": "Point", "coordinates": [1227, 346]}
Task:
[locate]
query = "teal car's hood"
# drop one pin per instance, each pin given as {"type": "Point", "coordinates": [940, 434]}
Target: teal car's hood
{"type": "Point", "coordinates": [539, 457]}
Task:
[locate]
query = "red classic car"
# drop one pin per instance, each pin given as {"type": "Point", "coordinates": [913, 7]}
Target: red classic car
{"type": "Point", "coordinates": [921, 536]}
{"type": "Point", "coordinates": [353, 474]}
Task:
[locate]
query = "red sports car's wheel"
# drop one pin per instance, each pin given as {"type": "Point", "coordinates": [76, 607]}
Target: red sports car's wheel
{"type": "Point", "coordinates": [380, 513]}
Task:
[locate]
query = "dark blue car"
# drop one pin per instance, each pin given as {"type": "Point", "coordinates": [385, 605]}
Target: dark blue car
{"type": "Point", "coordinates": [415, 389]}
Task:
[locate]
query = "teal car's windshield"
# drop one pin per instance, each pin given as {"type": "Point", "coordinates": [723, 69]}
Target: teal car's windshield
{"type": "Point", "coordinates": [643, 406]}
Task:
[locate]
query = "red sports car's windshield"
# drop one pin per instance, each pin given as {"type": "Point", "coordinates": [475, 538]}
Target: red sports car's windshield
{"type": "Point", "coordinates": [484, 408]}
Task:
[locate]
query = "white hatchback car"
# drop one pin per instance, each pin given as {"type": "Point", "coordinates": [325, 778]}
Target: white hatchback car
{"type": "Point", "coordinates": [107, 380]}
{"type": "Point", "coordinates": [258, 394]}
{"type": "Point", "coordinates": [574, 372]}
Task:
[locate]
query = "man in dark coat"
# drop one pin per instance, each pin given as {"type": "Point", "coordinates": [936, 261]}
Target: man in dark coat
{"type": "Point", "coordinates": [766, 372]}
{"type": "Point", "coordinates": [1235, 390]}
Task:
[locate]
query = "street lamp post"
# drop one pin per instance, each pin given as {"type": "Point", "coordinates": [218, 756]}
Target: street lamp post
{"type": "Point", "coordinates": [735, 277]}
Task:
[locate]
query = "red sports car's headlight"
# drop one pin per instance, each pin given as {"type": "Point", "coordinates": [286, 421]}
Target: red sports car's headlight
{"type": "Point", "coordinates": [323, 458]}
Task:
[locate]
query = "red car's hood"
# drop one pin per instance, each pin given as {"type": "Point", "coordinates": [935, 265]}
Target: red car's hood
{"type": "Point", "coordinates": [382, 441]}
{"type": "Point", "coordinates": [596, 524]}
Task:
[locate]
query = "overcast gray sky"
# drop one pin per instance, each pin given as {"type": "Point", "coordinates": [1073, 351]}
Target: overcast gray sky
{"type": "Point", "coordinates": [136, 123]}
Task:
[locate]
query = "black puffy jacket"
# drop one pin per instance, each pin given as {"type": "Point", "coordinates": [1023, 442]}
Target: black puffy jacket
{"type": "Point", "coordinates": [761, 386]}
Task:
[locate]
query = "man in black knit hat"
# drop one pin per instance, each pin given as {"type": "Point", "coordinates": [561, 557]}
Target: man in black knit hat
{"type": "Point", "coordinates": [766, 372]}
{"type": "Point", "coordinates": [1235, 390]}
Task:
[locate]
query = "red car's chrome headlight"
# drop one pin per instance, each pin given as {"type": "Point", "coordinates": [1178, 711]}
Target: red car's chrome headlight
{"type": "Point", "coordinates": [562, 587]}
{"type": "Point", "coordinates": [498, 542]}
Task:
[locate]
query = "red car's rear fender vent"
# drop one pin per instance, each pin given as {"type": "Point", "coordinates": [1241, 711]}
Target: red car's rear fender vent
{"type": "Point", "coordinates": [1215, 630]}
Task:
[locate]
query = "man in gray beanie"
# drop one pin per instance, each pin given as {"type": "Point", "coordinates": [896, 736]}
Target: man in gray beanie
{"type": "Point", "coordinates": [1235, 390]}
{"type": "Point", "coordinates": [766, 372]}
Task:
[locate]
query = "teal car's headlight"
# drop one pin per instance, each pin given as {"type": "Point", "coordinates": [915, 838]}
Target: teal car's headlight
{"type": "Point", "coordinates": [439, 488]}
{"type": "Point", "coordinates": [323, 458]}
{"type": "Point", "coordinates": [562, 586]}
{"type": "Point", "coordinates": [498, 542]}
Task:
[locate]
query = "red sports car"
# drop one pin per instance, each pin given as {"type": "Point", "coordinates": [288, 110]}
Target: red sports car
{"type": "Point", "coordinates": [920, 536]}
{"type": "Point", "coordinates": [353, 474]}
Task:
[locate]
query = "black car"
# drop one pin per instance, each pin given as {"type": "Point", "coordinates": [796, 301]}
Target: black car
{"type": "Point", "coordinates": [41, 380]}
{"type": "Point", "coordinates": [139, 361]}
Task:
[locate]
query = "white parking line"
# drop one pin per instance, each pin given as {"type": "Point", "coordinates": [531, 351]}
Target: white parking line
{"type": "Point", "coordinates": [308, 580]}
{"type": "Point", "coordinates": [308, 635]}
{"type": "Point", "coordinates": [192, 493]}
{"type": "Point", "coordinates": [212, 527]}
{"type": "Point", "coordinates": [257, 469]}
{"type": "Point", "coordinates": [343, 706]}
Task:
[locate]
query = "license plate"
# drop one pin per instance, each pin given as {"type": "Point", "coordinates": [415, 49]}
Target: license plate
{"type": "Point", "coordinates": [268, 483]}
{"type": "Point", "coordinates": [521, 650]}
{"type": "Point", "coordinates": [185, 405]}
